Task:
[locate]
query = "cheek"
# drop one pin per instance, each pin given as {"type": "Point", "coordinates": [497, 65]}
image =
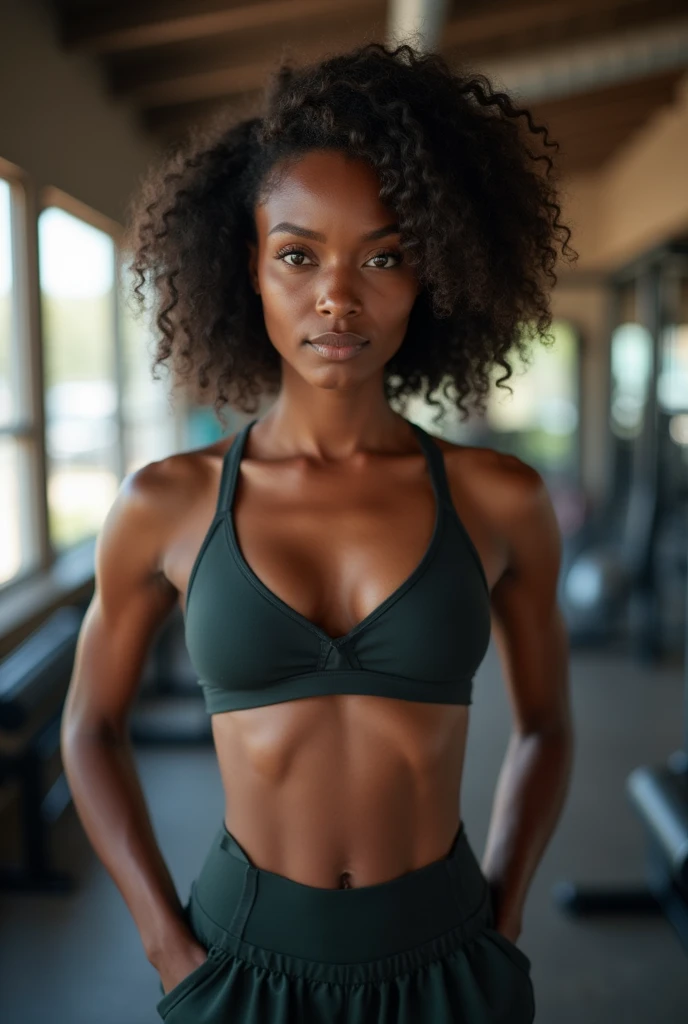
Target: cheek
{"type": "Point", "coordinates": [396, 299]}
{"type": "Point", "coordinates": [285, 294]}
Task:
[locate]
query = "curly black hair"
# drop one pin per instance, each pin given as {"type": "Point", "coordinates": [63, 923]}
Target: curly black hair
{"type": "Point", "coordinates": [477, 217]}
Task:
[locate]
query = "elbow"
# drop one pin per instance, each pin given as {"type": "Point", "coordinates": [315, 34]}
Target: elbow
{"type": "Point", "coordinates": [86, 728]}
{"type": "Point", "coordinates": [553, 728]}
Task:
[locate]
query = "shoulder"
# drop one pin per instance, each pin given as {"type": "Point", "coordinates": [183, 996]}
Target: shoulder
{"type": "Point", "coordinates": [511, 498]}
{"type": "Point", "coordinates": [179, 475]}
{"type": "Point", "coordinates": [503, 484]}
{"type": "Point", "coordinates": [155, 500]}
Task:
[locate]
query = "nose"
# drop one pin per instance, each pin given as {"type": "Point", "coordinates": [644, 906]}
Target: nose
{"type": "Point", "coordinates": [337, 298]}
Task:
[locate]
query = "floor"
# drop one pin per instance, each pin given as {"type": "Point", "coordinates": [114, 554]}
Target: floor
{"type": "Point", "coordinates": [77, 959]}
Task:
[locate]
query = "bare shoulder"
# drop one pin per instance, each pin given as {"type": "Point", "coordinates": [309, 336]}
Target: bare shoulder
{"type": "Point", "coordinates": [500, 483]}
{"type": "Point", "coordinates": [157, 499]}
{"type": "Point", "coordinates": [510, 506]}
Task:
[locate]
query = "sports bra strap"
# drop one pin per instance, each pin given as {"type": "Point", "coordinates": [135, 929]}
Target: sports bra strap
{"type": "Point", "coordinates": [437, 468]}
{"type": "Point", "coordinates": [232, 458]}
{"type": "Point", "coordinates": [230, 469]}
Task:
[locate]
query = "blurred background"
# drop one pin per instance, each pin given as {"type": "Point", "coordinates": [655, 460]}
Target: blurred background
{"type": "Point", "coordinates": [90, 91]}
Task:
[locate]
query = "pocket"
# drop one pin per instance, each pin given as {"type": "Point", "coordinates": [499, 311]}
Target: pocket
{"type": "Point", "coordinates": [216, 957]}
{"type": "Point", "coordinates": [510, 949]}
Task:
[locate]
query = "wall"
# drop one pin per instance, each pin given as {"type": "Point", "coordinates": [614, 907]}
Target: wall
{"type": "Point", "coordinates": [56, 120]}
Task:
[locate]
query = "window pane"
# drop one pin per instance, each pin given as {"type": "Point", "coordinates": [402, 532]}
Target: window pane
{"type": "Point", "coordinates": [631, 366]}
{"type": "Point", "coordinates": [149, 420]}
{"type": "Point", "coordinates": [8, 411]}
{"type": "Point", "coordinates": [77, 269]}
{"type": "Point", "coordinates": [10, 533]}
{"type": "Point", "coordinates": [539, 422]}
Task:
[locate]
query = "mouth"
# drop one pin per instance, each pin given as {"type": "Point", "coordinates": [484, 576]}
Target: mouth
{"type": "Point", "coordinates": [338, 346]}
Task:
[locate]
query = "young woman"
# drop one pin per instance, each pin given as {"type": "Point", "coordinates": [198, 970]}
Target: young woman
{"type": "Point", "coordinates": [382, 230]}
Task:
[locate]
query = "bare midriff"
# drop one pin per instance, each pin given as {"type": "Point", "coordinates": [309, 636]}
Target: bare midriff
{"type": "Point", "coordinates": [342, 791]}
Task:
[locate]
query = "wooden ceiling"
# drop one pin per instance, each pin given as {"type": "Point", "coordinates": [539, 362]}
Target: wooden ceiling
{"type": "Point", "coordinates": [177, 62]}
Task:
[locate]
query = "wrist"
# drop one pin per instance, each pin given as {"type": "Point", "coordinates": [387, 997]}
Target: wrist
{"type": "Point", "coordinates": [507, 911]}
{"type": "Point", "coordinates": [165, 937]}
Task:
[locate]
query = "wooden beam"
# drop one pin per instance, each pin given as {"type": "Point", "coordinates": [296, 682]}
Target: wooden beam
{"type": "Point", "coordinates": [509, 30]}
{"type": "Point", "coordinates": [228, 81]}
{"type": "Point", "coordinates": [600, 132]}
{"type": "Point", "coordinates": [583, 114]}
{"type": "Point", "coordinates": [135, 26]}
{"type": "Point", "coordinates": [658, 87]}
{"type": "Point", "coordinates": [129, 72]}
{"type": "Point", "coordinates": [513, 16]}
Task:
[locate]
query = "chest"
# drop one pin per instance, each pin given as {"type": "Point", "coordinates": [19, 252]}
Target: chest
{"type": "Point", "coordinates": [334, 543]}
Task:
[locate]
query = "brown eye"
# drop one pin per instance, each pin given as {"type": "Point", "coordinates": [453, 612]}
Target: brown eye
{"type": "Point", "coordinates": [386, 256]}
{"type": "Point", "coordinates": [298, 253]}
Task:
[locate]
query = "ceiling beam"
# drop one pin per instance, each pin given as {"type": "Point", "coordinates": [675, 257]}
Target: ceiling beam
{"type": "Point", "coordinates": [226, 81]}
{"type": "Point", "coordinates": [620, 57]}
{"type": "Point", "coordinates": [136, 26]}
{"type": "Point", "coordinates": [510, 18]}
{"type": "Point", "coordinates": [601, 105]}
{"type": "Point", "coordinates": [129, 72]}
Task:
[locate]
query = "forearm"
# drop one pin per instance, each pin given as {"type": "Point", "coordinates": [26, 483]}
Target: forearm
{"type": "Point", "coordinates": [110, 802]}
{"type": "Point", "coordinates": [530, 794]}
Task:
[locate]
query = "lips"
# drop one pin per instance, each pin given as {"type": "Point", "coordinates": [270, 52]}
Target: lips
{"type": "Point", "coordinates": [336, 339]}
{"type": "Point", "coordinates": [338, 346]}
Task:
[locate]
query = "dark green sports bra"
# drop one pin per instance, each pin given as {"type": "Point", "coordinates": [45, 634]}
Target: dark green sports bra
{"type": "Point", "coordinates": [424, 642]}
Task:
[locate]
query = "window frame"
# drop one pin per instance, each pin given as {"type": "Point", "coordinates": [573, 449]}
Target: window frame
{"type": "Point", "coordinates": [54, 577]}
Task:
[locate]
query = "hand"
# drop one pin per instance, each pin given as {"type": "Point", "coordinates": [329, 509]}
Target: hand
{"type": "Point", "coordinates": [179, 963]}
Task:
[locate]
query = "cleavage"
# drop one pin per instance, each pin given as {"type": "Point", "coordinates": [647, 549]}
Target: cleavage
{"type": "Point", "coordinates": [334, 544]}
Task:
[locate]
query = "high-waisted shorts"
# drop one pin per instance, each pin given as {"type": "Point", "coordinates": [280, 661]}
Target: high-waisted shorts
{"type": "Point", "coordinates": [419, 949]}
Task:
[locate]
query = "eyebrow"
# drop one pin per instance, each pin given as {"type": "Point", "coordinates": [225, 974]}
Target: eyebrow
{"type": "Point", "coordinates": [294, 229]}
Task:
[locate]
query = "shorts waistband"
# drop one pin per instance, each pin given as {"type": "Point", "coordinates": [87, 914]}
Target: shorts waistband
{"type": "Point", "coordinates": [235, 905]}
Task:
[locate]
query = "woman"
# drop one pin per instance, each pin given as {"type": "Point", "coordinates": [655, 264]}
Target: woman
{"type": "Point", "coordinates": [379, 232]}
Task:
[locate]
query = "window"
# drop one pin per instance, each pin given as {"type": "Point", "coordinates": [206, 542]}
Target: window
{"type": "Point", "coordinates": [77, 278]}
{"type": "Point", "coordinates": [148, 415]}
{"type": "Point", "coordinates": [538, 420]}
{"type": "Point", "coordinates": [13, 549]}
{"type": "Point", "coordinates": [88, 359]}
{"type": "Point", "coordinates": [105, 415]}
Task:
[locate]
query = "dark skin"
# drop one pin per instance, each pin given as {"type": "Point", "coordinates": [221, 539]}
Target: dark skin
{"type": "Point", "coordinates": [333, 510]}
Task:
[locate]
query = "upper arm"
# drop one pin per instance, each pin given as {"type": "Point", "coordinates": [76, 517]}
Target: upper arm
{"type": "Point", "coordinates": [131, 600]}
{"type": "Point", "coordinates": [528, 626]}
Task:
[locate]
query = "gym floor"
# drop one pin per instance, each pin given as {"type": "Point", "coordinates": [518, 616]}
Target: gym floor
{"type": "Point", "coordinates": [77, 959]}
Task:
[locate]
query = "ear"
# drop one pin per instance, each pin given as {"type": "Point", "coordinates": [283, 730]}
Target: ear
{"type": "Point", "coordinates": [253, 266]}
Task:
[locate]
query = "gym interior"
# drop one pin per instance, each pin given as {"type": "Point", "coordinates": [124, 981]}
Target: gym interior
{"type": "Point", "coordinates": [92, 91]}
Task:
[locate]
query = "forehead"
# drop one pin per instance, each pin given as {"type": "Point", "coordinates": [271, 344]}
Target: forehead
{"type": "Point", "coordinates": [324, 188]}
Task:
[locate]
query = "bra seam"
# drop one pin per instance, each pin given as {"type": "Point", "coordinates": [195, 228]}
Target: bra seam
{"type": "Point", "coordinates": [367, 672]}
{"type": "Point", "coordinates": [284, 608]}
{"type": "Point", "coordinates": [199, 558]}
{"type": "Point", "coordinates": [468, 542]}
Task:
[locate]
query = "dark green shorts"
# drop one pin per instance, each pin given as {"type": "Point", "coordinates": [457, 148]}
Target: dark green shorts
{"type": "Point", "coordinates": [420, 949]}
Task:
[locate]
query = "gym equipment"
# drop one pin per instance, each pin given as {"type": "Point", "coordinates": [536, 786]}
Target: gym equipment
{"type": "Point", "coordinates": [33, 682]}
{"type": "Point", "coordinates": [659, 795]}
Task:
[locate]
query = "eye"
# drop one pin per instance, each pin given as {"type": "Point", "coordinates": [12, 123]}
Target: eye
{"type": "Point", "coordinates": [301, 256]}
{"type": "Point", "coordinates": [284, 253]}
{"type": "Point", "coordinates": [386, 254]}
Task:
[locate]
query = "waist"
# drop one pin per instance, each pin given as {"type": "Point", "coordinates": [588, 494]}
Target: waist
{"type": "Point", "coordinates": [237, 906]}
